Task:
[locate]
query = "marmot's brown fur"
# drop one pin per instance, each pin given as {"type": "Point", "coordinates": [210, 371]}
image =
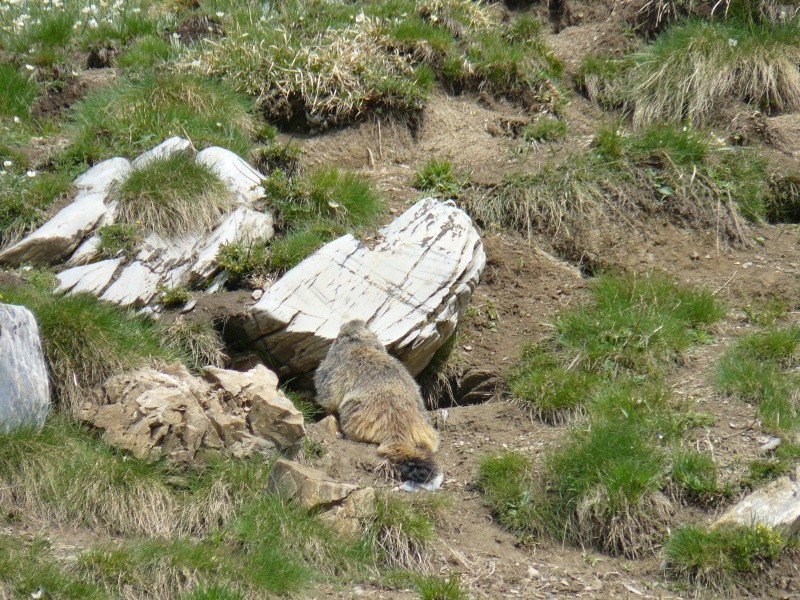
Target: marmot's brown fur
{"type": "Point", "coordinates": [378, 402]}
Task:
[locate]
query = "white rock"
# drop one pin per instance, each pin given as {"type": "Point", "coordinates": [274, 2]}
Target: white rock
{"type": "Point", "coordinates": [243, 224]}
{"type": "Point", "coordinates": [411, 289]}
{"type": "Point", "coordinates": [86, 252]}
{"type": "Point", "coordinates": [93, 278]}
{"type": "Point", "coordinates": [136, 285]}
{"type": "Point", "coordinates": [242, 179]}
{"type": "Point", "coordinates": [24, 385]}
{"type": "Point", "coordinates": [165, 149]}
{"type": "Point", "coordinates": [776, 505]}
{"type": "Point", "coordinates": [59, 236]}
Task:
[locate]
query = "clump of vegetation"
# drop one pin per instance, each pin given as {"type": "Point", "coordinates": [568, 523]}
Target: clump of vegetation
{"type": "Point", "coordinates": [690, 69]}
{"type": "Point", "coordinates": [144, 53]}
{"type": "Point", "coordinates": [118, 239]}
{"type": "Point", "coordinates": [547, 389]}
{"type": "Point", "coordinates": [242, 259]}
{"type": "Point", "coordinates": [25, 196]}
{"type": "Point", "coordinates": [545, 129]}
{"type": "Point", "coordinates": [300, 241]}
{"type": "Point", "coordinates": [603, 80]}
{"type": "Point", "coordinates": [694, 477]}
{"type": "Point", "coordinates": [781, 462]}
{"type": "Point", "coordinates": [172, 297]}
{"type": "Point", "coordinates": [403, 529]}
{"type": "Point", "coordinates": [507, 483]}
{"type": "Point", "coordinates": [432, 587]}
{"type": "Point", "coordinates": [635, 323]}
{"type": "Point", "coordinates": [86, 341]}
{"type": "Point", "coordinates": [171, 196]}
{"type": "Point", "coordinates": [784, 204]}
{"type": "Point", "coordinates": [718, 558]}
{"type": "Point", "coordinates": [135, 114]}
{"type": "Point", "coordinates": [195, 339]}
{"type": "Point", "coordinates": [757, 368]}
{"type": "Point", "coordinates": [437, 177]}
{"type": "Point", "coordinates": [17, 92]}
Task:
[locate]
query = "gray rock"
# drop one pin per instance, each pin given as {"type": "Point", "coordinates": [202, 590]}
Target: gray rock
{"type": "Point", "coordinates": [310, 487]}
{"type": "Point", "coordinates": [776, 505]}
{"type": "Point", "coordinates": [24, 384]}
{"type": "Point", "coordinates": [411, 288]}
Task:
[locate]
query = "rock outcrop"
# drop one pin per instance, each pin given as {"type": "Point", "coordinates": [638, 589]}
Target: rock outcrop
{"type": "Point", "coordinates": [189, 259]}
{"type": "Point", "coordinates": [24, 385]}
{"type": "Point", "coordinates": [776, 505]}
{"type": "Point", "coordinates": [172, 413]}
{"type": "Point", "coordinates": [411, 287]}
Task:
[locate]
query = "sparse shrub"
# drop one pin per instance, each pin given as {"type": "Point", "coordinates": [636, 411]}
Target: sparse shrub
{"type": "Point", "coordinates": [438, 177]}
{"type": "Point", "coordinates": [24, 201]}
{"type": "Point", "coordinates": [197, 340]}
{"type": "Point", "coordinates": [403, 529]}
{"type": "Point", "coordinates": [718, 558]}
{"type": "Point", "coordinates": [16, 92]}
{"type": "Point", "coordinates": [545, 129]}
{"type": "Point", "coordinates": [242, 259]}
{"type": "Point", "coordinates": [86, 341]}
{"type": "Point", "coordinates": [172, 297]}
{"type": "Point", "coordinates": [133, 115]}
{"type": "Point", "coordinates": [171, 196]}
{"type": "Point", "coordinates": [432, 587]}
{"type": "Point", "coordinates": [118, 239]}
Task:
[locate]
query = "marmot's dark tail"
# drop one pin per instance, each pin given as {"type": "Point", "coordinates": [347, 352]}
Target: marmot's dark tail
{"type": "Point", "coordinates": [414, 464]}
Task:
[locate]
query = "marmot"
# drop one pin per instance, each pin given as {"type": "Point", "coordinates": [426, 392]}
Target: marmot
{"type": "Point", "coordinates": [378, 402]}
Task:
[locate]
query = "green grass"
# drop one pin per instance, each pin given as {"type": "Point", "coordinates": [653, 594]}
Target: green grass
{"type": "Point", "coordinates": [602, 79]}
{"type": "Point", "coordinates": [86, 341]}
{"type": "Point", "coordinates": [432, 587]}
{"type": "Point", "coordinates": [719, 558]}
{"type": "Point", "coordinates": [242, 259]}
{"type": "Point", "coordinates": [403, 529]}
{"type": "Point", "coordinates": [438, 178]}
{"type": "Point", "coordinates": [24, 200]}
{"type": "Point", "coordinates": [506, 481]}
{"type": "Point", "coordinates": [118, 239]}
{"type": "Point", "coordinates": [197, 340]}
{"type": "Point", "coordinates": [695, 478]}
{"type": "Point", "coordinates": [144, 53]}
{"type": "Point", "coordinates": [635, 323]}
{"type": "Point", "coordinates": [171, 196]}
{"type": "Point", "coordinates": [690, 70]}
{"type": "Point", "coordinates": [289, 249]}
{"type": "Point", "coordinates": [757, 368]}
{"type": "Point", "coordinates": [547, 389]}
{"type": "Point", "coordinates": [28, 568]}
{"type": "Point", "coordinates": [134, 115]}
{"type": "Point", "coordinates": [17, 92]}
{"type": "Point", "coordinates": [545, 129]}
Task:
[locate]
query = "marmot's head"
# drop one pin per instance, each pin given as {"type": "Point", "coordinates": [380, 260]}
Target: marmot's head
{"type": "Point", "coordinates": [356, 331]}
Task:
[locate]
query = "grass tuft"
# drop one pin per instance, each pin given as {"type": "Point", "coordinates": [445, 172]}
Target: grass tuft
{"type": "Point", "coordinates": [133, 115]}
{"type": "Point", "coordinates": [172, 196]}
{"type": "Point", "coordinates": [197, 340]}
{"type": "Point", "coordinates": [437, 177]}
{"type": "Point", "coordinates": [118, 239]}
{"type": "Point", "coordinates": [432, 587]}
{"type": "Point", "coordinates": [17, 92]}
{"type": "Point", "coordinates": [719, 558]}
{"type": "Point", "coordinates": [694, 477]}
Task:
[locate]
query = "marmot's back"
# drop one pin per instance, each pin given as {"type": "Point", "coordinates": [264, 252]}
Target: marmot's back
{"type": "Point", "coordinates": [377, 400]}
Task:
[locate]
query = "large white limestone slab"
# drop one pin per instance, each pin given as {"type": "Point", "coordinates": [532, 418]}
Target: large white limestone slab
{"type": "Point", "coordinates": [135, 286]}
{"type": "Point", "coordinates": [24, 385]}
{"type": "Point", "coordinates": [93, 278]}
{"type": "Point", "coordinates": [59, 236]}
{"type": "Point", "coordinates": [411, 288]}
{"type": "Point", "coordinates": [242, 179]}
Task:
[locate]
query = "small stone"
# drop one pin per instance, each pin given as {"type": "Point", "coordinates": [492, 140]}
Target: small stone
{"type": "Point", "coordinates": [189, 306]}
{"type": "Point", "coordinates": [256, 295]}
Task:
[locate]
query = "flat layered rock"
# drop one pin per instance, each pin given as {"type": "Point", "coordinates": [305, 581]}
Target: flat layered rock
{"type": "Point", "coordinates": [411, 288]}
{"type": "Point", "coordinates": [58, 237]}
{"type": "Point", "coordinates": [24, 384]}
{"type": "Point", "coordinates": [189, 259]}
{"type": "Point", "coordinates": [775, 505]}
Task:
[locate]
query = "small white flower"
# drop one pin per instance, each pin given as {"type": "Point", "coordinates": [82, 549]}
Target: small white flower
{"type": "Point", "coordinates": [85, 10]}
{"type": "Point", "coordinates": [220, 14]}
{"type": "Point", "coordinates": [732, 42]}
{"type": "Point", "coordinates": [219, 124]}
{"type": "Point", "coordinates": [92, 23]}
{"type": "Point", "coordinates": [29, 67]}
{"type": "Point", "coordinates": [30, 173]}
{"type": "Point", "coordinates": [8, 163]}
{"type": "Point", "coordinates": [136, 10]}
{"type": "Point", "coordinates": [16, 119]}
{"type": "Point", "coordinates": [77, 24]}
